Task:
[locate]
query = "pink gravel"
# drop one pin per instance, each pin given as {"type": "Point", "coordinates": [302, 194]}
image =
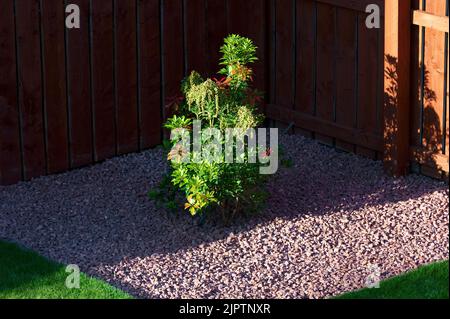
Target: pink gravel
{"type": "Point", "coordinates": [330, 220]}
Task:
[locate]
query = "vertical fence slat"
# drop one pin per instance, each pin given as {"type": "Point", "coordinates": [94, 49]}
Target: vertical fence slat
{"type": "Point", "coordinates": [103, 79]}
{"type": "Point", "coordinates": [79, 91]}
{"type": "Point", "coordinates": [173, 48]}
{"type": "Point", "coordinates": [272, 57]}
{"type": "Point", "coordinates": [55, 86]}
{"type": "Point", "coordinates": [285, 54]}
{"type": "Point", "coordinates": [217, 30]}
{"type": "Point", "coordinates": [397, 86]}
{"type": "Point", "coordinates": [416, 67]}
{"type": "Point", "coordinates": [346, 69]}
{"type": "Point", "coordinates": [254, 11]}
{"type": "Point", "coordinates": [240, 13]}
{"type": "Point", "coordinates": [150, 67]}
{"type": "Point", "coordinates": [325, 65]}
{"type": "Point", "coordinates": [10, 159]}
{"type": "Point", "coordinates": [367, 77]}
{"type": "Point", "coordinates": [380, 82]}
{"type": "Point", "coordinates": [447, 137]}
{"type": "Point", "coordinates": [126, 77]}
{"type": "Point", "coordinates": [306, 34]}
{"type": "Point", "coordinates": [30, 87]}
{"type": "Point", "coordinates": [196, 36]}
{"type": "Point", "coordinates": [370, 77]}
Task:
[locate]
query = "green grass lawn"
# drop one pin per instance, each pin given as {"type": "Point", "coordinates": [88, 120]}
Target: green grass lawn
{"type": "Point", "coordinates": [427, 282]}
{"type": "Point", "coordinates": [26, 275]}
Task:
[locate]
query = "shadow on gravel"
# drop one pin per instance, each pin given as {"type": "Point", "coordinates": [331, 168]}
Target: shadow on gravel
{"type": "Point", "coordinates": [101, 215]}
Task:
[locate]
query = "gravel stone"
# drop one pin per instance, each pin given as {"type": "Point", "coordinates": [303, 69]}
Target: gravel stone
{"type": "Point", "coordinates": [329, 220]}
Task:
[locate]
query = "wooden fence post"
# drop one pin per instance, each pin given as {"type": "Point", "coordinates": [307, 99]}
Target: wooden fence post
{"type": "Point", "coordinates": [397, 86]}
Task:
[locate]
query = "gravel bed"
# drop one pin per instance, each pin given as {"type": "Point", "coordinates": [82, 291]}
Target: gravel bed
{"type": "Point", "coordinates": [330, 219]}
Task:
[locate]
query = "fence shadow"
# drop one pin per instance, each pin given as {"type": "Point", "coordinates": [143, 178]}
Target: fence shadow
{"type": "Point", "coordinates": [425, 132]}
{"type": "Point", "coordinates": [429, 134]}
{"type": "Point", "coordinates": [390, 101]}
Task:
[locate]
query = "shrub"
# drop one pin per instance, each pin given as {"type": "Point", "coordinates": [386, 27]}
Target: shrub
{"type": "Point", "coordinates": [229, 102]}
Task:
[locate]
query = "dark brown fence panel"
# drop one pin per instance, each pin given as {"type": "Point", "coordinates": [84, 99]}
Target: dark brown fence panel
{"type": "Point", "coordinates": [416, 74]}
{"type": "Point", "coordinates": [346, 64]}
{"type": "Point", "coordinates": [10, 148]}
{"type": "Point", "coordinates": [446, 129]}
{"type": "Point", "coordinates": [369, 83]}
{"type": "Point", "coordinates": [30, 87]}
{"type": "Point", "coordinates": [306, 56]}
{"type": "Point", "coordinates": [150, 74]}
{"type": "Point", "coordinates": [126, 77]}
{"type": "Point", "coordinates": [80, 96]}
{"type": "Point", "coordinates": [173, 48]}
{"type": "Point", "coordinates": [326, 66]}
{"type": "Point", "coordinates": [54, 75]}
{"type": "Point", "coordinates": [248, 19]}
{"type": "Point", "coordinates": [79, 90]}
{"type": "Point", "coordinates": [103, 106]}
{"type": "Point", "coordinates": [285, 57]}
{"type": "Point", "coordinates": [195, 34]}
{"type": "Point", "coordinates": [338, 72]}
{"type": "Point", "coordinates": [217, 30]}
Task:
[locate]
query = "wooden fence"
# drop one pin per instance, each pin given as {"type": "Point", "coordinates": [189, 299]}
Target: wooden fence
{"type": "Point", "coordinates": [429, 130]}
{"type": "Point", "coordinates": [328, 72]}
{"type": "Point", "coordinates": [69, 98]}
